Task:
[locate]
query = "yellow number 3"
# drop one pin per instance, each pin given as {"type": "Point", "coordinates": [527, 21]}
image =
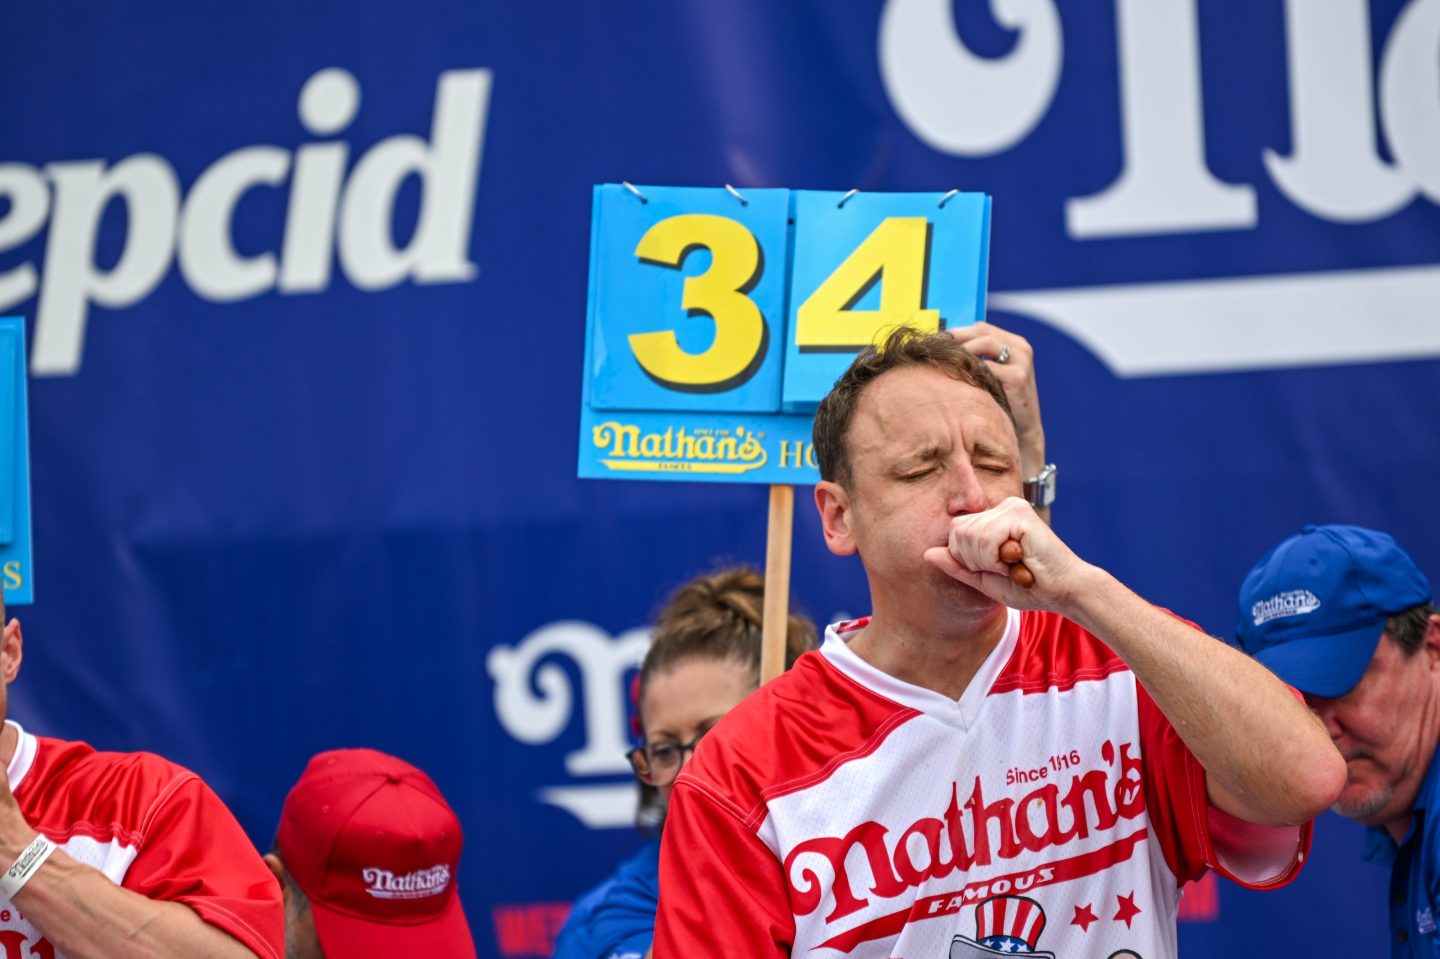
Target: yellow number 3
{"type": "Point", "coordinates": [719, 292]}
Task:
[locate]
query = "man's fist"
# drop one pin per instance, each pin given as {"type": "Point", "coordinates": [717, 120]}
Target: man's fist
{"type": "Point", "coordinates": [1010, 555]}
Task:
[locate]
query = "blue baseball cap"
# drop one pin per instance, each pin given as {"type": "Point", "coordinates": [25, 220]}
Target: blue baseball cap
{"type": "Point", "coordinates": [1313, 609]}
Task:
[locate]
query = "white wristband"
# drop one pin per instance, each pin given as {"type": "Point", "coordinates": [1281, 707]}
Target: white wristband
{"type": "Point", "coordinates": [27, 864]}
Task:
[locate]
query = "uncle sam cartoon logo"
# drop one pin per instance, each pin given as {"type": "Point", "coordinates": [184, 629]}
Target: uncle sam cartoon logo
{"type": "Point", "coordinates": [1004, 926]}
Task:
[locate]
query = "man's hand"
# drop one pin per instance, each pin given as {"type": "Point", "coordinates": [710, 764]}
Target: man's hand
{"type": "Point", "coordinates": [984, 546]}
{"type": "Point", "coordinates": [1017, 376]}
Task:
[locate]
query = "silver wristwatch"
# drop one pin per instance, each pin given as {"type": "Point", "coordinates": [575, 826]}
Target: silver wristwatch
{"type": "Point", "coordinates": [1040, 488]}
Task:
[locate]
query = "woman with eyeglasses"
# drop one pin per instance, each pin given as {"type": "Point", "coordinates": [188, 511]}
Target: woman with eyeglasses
{"type": "Point", "coordinates": [704, 659]}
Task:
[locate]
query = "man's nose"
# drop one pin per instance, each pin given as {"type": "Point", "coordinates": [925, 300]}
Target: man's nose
{"type": "Point", "coordinates": [965, 495]}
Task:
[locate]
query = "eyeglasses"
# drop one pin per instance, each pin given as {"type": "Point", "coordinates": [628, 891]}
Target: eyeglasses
{"type": "Point", "coordinates": [659, 763]}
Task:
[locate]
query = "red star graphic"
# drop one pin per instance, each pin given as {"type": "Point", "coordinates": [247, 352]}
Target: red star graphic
{"type": "Point", "coordinates": [1083, 917]}
{"type": "Point", "coordinates": [1128, 910]}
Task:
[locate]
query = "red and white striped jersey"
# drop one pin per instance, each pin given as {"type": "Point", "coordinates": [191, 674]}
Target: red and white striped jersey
{"type": "Point", "coordinates": [1051, 811]}
{"type": "Point", "coordinates": [149, 826]}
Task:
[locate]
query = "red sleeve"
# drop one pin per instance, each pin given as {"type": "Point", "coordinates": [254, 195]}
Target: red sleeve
{"type": "Point", "coordinates": [194, 852]}
{"type": "Point", "coordinates": [1194, 835]}
{"type": "Point", "coordinates": [722, 892]}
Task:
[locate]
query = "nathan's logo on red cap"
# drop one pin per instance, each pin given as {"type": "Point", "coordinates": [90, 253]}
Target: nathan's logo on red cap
{"type": "Point", "coordinates": [1294, 602]}
{"type": "Point", "coordinates": [384, 884]}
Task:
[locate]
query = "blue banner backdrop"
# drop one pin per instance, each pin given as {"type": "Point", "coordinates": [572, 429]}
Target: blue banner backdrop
{"type": "Point", "coordinates": [307, 284]}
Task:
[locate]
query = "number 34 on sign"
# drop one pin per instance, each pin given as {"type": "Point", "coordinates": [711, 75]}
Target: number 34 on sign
{"type": "Point", "coordinates": [717, 320]}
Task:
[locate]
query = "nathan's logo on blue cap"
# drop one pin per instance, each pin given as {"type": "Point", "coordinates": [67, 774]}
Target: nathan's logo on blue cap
{"type": "Point", "coordinates": [1315, 607]}
{"type": "Point", "coordinates": [1293, 602]}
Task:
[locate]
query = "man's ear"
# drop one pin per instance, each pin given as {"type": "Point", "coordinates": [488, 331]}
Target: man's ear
{"type": "Point", "coordinates": [277, 869]}
{"type": "Point", "coordinates": [12, 650]}
{"type": "Point", "coordinates": [833, 502]}
{"type": "Point", "coordinates": [1431, 641]}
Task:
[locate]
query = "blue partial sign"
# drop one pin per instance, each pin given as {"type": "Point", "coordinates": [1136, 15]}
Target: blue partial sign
{"type": "Point", "coordinates": [15, 559]}
{"type": "Point", "coordinates": [703, 302]}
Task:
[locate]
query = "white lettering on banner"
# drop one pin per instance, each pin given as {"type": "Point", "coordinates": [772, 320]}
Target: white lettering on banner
{"type": "Point", "coordinates": [29, 205]}
{"type": "Point", "coordinates": [207, 258]}
{"type": "Point", "coordinates": [535, 699]}
{"type": "Point", "coordinates": [946, 94]}
{"type": "Point", "coordinates": [1334, 171]}
{"type": "Point", "coordinates": [1213, 326]}
{"type": "Point", "coordinates": [199, 231]}
{"type": "Point", "coordinates": [1334, 167]}
{"type": "Point", "coordinates": [148, 188]}
{"type": "Point", "coordinates": [1410, 94]}
{"type": "Point", "coordinates": [924, 65]}
{"type": "Point", "coordinates": [1165, 185]}
{"type": "Point", "coordinates": [327, 105]}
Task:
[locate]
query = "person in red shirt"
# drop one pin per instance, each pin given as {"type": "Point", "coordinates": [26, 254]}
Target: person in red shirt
{"type": "Point", "coordinates": [114, 855]}
{"type": "Point", "coordinates": [1014, 754]}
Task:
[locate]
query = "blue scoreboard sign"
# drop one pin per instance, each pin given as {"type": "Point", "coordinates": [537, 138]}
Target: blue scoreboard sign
{"type": "Point", "coordinates": [718, 320]}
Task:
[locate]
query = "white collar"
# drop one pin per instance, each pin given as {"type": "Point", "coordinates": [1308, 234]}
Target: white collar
{"type": "Point", "coordinates": [961, 712]}
{"type": "Point", "coordinates": [25, 750]}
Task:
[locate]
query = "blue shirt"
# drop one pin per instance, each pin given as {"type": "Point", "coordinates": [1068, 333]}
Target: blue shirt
{"type": "Point", "coordinates": [616, 919]}
{"type": "Point", "coordinates": [1414, 876]}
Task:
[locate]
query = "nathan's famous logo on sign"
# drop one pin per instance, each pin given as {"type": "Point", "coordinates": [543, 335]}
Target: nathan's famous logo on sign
{"type": "Point", "coordinates": [334, 208]}
{"type": "Point", "coordinates": [625, 446]}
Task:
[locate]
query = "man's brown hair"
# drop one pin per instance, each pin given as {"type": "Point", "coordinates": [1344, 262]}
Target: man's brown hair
{"type": "Point", "coordinates": [904, 347]}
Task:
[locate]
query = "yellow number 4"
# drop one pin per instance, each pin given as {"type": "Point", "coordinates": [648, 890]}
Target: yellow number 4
{"type": "Point", "coordinates": [719, 292]}
{"type": "Point", "coordinates": [895, 255]}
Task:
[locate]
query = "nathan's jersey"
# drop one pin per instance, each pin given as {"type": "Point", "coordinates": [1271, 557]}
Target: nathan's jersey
{"type": "Point", "coordinates": [1050, 811]}
{"type": "Point", "coordinates": [149, 826]}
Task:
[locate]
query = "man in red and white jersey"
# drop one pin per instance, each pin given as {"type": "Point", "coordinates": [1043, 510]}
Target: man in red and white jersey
{"type": "Point", "coordinates": [1013, 755]}
{"type": "Point", "coordinates": [113, 855]}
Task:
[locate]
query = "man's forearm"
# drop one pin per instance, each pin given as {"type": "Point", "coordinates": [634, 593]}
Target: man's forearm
{"type": "Point", "coordinates": [86, 916]}
{"type": "Point", "coordinates": [1268, 758]}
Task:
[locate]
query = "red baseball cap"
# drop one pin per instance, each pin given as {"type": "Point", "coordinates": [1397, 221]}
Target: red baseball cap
{"type": "Point", "coordinates": [374, 846]}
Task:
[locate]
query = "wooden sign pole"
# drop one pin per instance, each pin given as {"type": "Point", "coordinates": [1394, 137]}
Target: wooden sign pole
{"type": "Point", "coordinates": [779, 534]}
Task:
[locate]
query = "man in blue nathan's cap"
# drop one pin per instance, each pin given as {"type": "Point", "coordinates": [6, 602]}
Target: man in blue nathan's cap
{"type": "Point", "coordinates": [1344, 615]}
